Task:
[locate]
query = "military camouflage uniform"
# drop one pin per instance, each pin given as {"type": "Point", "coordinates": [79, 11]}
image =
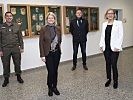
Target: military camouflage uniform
{"type": "Point", "coordinates": [10, 43]}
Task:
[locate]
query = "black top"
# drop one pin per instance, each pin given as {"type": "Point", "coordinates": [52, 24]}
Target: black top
{"type": "Point", "coordinates": [108, 36]}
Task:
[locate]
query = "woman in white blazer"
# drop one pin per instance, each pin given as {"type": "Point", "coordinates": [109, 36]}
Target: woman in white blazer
{"type": "Point", "coordinates": [110, 44]}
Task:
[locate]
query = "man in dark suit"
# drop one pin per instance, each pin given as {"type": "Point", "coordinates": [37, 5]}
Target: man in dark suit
{"type": "Point", "coordinates": [79, 30]}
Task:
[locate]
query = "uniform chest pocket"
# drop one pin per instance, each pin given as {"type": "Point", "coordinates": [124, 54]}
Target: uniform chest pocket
{"type": "Point", "coordinates": [15, 31]}
{"type": "Point", "coordinates": [4, 30]}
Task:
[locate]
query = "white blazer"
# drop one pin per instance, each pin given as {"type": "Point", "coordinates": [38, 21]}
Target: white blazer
{"type": "Point", "coordinates": [116, 35]}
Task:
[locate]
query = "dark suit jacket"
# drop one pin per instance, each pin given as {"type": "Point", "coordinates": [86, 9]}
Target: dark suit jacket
{"type": "Point", "coordinates": [79, 33]}
{"type": "Point", "coordinates": [45, 40]}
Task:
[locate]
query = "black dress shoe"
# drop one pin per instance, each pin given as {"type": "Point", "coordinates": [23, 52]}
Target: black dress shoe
{"type": "Point", "coordinates": [55, 90]}
{"type": "Point", "coordinates": [107, 83]}
{"type": "Point", "coordinates": [85, 67]}
{"type": "Point", "coordinates": [50, 92]}
{"type": "Point", "coordinates": [19, 79]}
{"type": "Point", "coordinates": [74, 67]}
{"type": "Point", "coordinates": [6, 81]}
{"type": "Point", "coordinates": [115, 86]}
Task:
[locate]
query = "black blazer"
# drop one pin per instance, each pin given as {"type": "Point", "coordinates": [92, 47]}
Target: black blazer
{"type": "Point", "coordinates": [79, 33]}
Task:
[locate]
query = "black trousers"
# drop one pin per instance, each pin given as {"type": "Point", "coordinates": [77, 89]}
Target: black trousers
{"type": "Point", "coordinates": [111, 59]}
{"type": "Point", "coordinates": [75, 51]}
{"type": "Point", "coordinates": [13, 52]}
{"type": "Point", "coordinates": [52, 63]}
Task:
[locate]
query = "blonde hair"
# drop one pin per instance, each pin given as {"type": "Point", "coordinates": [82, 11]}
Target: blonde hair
{"type": "Point", "coordinates": [114, 11]}
{"type": "Point", "coordinates": [52, 14]}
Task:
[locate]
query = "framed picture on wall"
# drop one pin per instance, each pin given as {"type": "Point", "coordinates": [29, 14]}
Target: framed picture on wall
{"type": "Point", "coordinates": [57, 11]}
{"type": "Point", "coordinates": [89, 13]}
{"type": "Point", "coordinates": [20, 14]}
{"type": "Point", "coordinates": [1, 13]}
{"type": "Point", "coordinates": [69, 14]}
{"type": "Point", "coordinates": [93, 19]}
{"type": "Point", "coordinates": [37, 19]}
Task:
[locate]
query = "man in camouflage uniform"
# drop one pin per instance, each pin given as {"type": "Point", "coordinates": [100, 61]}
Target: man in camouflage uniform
{"type": "Point", "coordinates": [11, 45]}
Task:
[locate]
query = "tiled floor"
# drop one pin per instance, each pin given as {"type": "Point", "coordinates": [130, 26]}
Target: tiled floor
{"type": "Point", "coordinates": [75, 85]}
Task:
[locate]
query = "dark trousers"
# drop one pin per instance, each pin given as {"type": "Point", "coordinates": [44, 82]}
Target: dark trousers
{"type": "Point", "coordinates": [111, 59]}
{"type": "Point", "coordinates": [75, 51]}
{"type": "Point", "coordinates": [13, 52]}
{"type": "Point", "coordinates": [52, 63]}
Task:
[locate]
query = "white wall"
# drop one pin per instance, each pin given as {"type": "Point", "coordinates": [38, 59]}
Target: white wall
{"type": "Point", "coordinates": [30, 58]}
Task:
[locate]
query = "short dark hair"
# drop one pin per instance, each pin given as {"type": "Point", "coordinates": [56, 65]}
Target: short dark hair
{"type": "Point", "coordinates": [8, 13]}
{"type": "Point", "coordinates": [79, 9]}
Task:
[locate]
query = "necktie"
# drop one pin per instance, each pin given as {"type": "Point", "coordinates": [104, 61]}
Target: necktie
{"type": "Point", "coordinates": [79, 23]}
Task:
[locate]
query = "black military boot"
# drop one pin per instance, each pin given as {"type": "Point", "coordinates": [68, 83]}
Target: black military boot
{"type": "Point", "coordinates": [19, 79]}
{"type": "Point", "coordinates": [50, 92]}
{"type": "Point", "coordinates": [56, 91]}
{"type": "Point", "coordinates": [108, 83]}
{"type": "Point", "coordinates": [115, 85]}
{"type": "Point", "coordinates": [6, 81]}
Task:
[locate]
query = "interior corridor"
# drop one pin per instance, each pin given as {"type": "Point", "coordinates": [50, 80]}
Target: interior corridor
{"type": "Point", "coordinates": [74, 85]}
